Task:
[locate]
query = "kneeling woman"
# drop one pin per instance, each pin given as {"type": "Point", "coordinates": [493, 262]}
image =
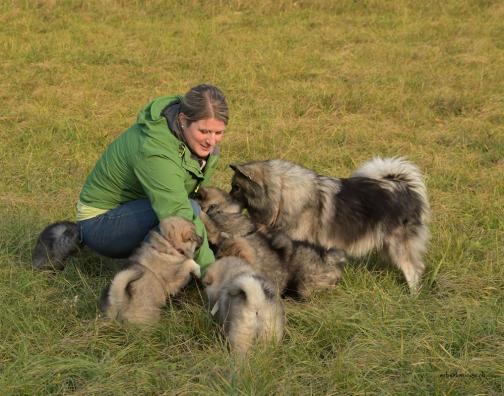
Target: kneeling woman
{"type": "Point", "coordinates": [150, 171]}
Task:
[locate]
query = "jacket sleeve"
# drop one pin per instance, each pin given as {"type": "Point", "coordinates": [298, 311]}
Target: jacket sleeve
{"type": "Point", "coordinates": [163, 183]}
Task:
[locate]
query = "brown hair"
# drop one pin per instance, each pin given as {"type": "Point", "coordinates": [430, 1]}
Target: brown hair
{"type": "Point", "coordinates": [204, 101]}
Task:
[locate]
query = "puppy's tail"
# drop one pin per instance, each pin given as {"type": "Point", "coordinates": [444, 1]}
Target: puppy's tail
{"type": "Point", "coordinates": [55, 243]}
{"type": "Point", "coordinates": [255, 288]}
{"type": "Point", "coordinates": [397, 172]}
{"type": "Point", "coordinates": [115, 298]}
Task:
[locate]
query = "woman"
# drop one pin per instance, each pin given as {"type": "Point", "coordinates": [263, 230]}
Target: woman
{"type": "Point", "coordinates": [150, 171]}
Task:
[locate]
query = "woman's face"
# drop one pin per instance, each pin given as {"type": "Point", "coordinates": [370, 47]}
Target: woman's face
{"type": "Point", "coordinates": [202, 136]}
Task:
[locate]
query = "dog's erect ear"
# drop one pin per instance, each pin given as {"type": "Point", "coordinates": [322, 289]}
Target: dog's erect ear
{"type": "Point", "coordinates": [240, 169]}
{"type": "Point", "coordinates": [247, 171]}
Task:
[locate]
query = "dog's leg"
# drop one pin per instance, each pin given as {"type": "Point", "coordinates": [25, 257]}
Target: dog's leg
{"type": "Point", "coordinates": [406, 253]}
{"type": "Point", "coordinates": [272, 323]}
{"type": "Point", "coordinates": [241, 336]}
{"type": "Point", "coordinates": [182, 276]}
{"type": "Point", "coordinates": [190, 266]}
{"type": "Point", "coordinates": [214, 234]}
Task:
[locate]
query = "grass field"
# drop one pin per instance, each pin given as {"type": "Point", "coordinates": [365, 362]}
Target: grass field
{"type": "Point", "coordinates": [328, 84]}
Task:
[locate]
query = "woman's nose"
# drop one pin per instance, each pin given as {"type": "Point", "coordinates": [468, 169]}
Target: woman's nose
{"type": "Point", "coordinates": [211, 138]}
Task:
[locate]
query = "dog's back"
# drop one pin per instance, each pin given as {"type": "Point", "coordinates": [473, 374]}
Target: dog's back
{"type": "Point", "coordinates": [257, 250]}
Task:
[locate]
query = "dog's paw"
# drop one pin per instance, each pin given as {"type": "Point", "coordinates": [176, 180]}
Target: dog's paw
{"type": "Point", "coordinates": [193, 268]}
{"type": "Point", "coordinates": [197, 272]}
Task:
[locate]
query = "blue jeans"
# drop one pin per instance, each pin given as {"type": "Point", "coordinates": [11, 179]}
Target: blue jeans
{"type": "Point", "coordinates": [118, 232]}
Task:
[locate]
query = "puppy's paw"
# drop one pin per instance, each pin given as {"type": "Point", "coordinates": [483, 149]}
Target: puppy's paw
{"type": "Point", "coordinates": [197, 272]}
{"type": "Point", "coordinates": [193, 268]}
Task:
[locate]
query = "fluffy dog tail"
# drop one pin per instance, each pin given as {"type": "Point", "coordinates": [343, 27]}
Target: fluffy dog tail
{"type": "Point", "coordinates": [255, 288]}
{"type": "Point", "coordinates": [397, 172]}
{"type": "Point", "coordinates": [55, 243]}
{"type": "Point", "coordinates": [262, 318]}
{"type": "Point", "coordinates": [115, 298]}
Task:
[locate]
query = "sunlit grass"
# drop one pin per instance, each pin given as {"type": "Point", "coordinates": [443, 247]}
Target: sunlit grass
{"type": "Point", "coordinates": [327, 84]}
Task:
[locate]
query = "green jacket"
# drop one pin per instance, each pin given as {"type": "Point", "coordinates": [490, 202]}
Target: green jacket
{"type": "Point", "coordinates": [149, 161]}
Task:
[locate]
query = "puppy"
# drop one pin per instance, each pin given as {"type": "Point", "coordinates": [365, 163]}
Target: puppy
{"type": "Point", "coordinates": [209, 196]}
{"type": "Point", "coordinates": [55, 243]}
{"type": "Point", "coordinates": [220, 214]}
{"type": "Point", "coordinates": [296, 268]}
{"type": "Point", "coordinates": [245, 303]}
{"type": "Point", "coordinates": [161, 267]}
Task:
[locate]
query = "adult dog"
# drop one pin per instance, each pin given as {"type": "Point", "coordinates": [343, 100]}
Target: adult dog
{"type": "Point", "coordinates": [383, 206]}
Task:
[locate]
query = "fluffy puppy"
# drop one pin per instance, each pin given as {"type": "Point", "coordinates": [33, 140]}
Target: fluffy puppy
{"type": "Point", "coordinates": [245, 303]}
{"type": "Point", "coordinates": [162, 266]}
{"type": "Point", "coordinates": [296, 268]}
{"type": "Point", "coordinates": [209, 196]}
{"type": "Point", "coordinates": [55, 243]}
{"type": "Point", "coordinates": [310, 267]}
{"type": "Point", "coordinates": [382, 206]}
{"type": "Point", "coordinates": [221, 215]}
{"type": "Point", "coordinates": [255, 250]}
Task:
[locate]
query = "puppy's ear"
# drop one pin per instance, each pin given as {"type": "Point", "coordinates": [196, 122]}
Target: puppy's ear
{"type": "Point", "coordinates": [198, 240]}
{"type": "Point", "coordinates": [167, 228]}
{"type": "Point", "coordinates": [202, 193]}
{"type": "Point", "coordinates": [234, 167]}
{"type": "Point", "coordinates": [188, 232]}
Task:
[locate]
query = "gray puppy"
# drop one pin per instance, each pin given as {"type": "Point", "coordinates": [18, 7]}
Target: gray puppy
{"type": "Point", "coordinates": [161, 267]}
{"type": "Point", "coordinates": [55, 243]}
{"type": "Point", "coordinates": [221, 215]}
{"type": "Point", "coordinates": [296, 268]}
{"type": "Point", "coordinates": [245, 303]}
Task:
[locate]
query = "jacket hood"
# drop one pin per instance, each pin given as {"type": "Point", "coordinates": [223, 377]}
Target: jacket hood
{"type": "Point", "coordinates": [161, 112]}
{"type": "Point", "coordinates": [151, 115]}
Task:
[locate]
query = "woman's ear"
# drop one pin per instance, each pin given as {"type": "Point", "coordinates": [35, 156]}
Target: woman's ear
{"type": "Point", "coordinates": [182, 119]}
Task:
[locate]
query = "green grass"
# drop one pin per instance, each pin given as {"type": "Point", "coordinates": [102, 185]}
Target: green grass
{"type": "Point", "coordinates": [327, 84]}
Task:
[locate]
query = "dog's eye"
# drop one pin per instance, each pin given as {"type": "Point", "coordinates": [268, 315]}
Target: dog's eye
{"type": "Point", "coordinates": [213, 207]}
